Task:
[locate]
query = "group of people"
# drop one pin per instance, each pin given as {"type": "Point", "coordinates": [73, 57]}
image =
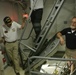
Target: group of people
{"type": "Point", "coordinates": [9, 35]}
{"type": "Point", "coordinates": [69, 33]}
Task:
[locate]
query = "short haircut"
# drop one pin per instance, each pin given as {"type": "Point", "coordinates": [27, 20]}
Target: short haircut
{"type": "Point", "coordinates": [74, 17]}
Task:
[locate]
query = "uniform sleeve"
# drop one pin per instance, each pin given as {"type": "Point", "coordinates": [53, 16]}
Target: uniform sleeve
{"type": "Point", "coordinates": [17, 24]}
{"type": "Point", "coordinates": [64, 31]}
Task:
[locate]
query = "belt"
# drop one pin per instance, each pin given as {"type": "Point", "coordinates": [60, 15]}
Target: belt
{"type": "Point", "coordinates": [11, 41]}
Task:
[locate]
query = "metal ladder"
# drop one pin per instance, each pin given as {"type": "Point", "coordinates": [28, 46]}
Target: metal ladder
{"type": "Point", "coordinates": [47, 26]}
{"type": "Point", "coordinates": [42, 37]}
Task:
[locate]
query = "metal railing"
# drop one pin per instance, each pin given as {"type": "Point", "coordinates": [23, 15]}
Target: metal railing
{"type": "Point", "coordinates": [31, 72]}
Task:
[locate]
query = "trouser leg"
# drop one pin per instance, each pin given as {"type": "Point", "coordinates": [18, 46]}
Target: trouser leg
{"type": "Point", "coordinates": [37, 28]}
{"type": "Point", "coordinates": [16, 58]}
{"type": "Point", "coordinates": [12, 51]}
{"type": "Point", "coordinates": [9, 51]}
{"type": "Point", "coordinates": [36, 18]}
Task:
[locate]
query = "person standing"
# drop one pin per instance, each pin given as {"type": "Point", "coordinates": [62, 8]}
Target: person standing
{"type": "Point", "coordinates": [9, 35]}
{"type": "Point", "coordinates": [70, 37]}
{"type": "Point", "coordinates": [36, 15]}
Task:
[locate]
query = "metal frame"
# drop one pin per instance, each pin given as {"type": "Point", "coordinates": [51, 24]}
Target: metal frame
{"type": "Point", "coordinates": [45, 58]}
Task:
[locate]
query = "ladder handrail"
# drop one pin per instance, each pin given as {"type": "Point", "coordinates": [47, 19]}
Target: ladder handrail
{"type": "Point", "coordinates": [27, 21]}
{"type": "Point", "coordinates": [48, 16]}
{"type": "Point", "coordinates": [48, 26]}
{"type": "Point", "coordinates": [46, 58]}
{"type": "Point", "coordinates": [28, 47]}
{"type": "Point", "coordinates": [51, 58]}
{"type": "Point", "coordinates": [23, 34]}
{"type": "Point", "coordinates": [28, 35]}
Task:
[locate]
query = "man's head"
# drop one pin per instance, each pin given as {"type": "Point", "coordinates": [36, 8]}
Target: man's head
{"type": "Point", "coordinates": [73, 23]}
{"type": "Point", "coordinates": [8, 21]}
